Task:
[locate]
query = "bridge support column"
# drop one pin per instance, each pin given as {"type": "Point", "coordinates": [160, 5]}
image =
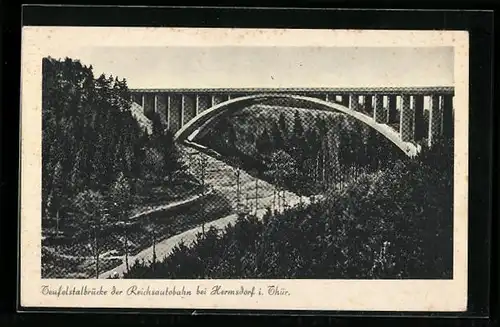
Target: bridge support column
{"type": "Point", "coordinates": [204, 102]}
{"type": "Point", "coordinates": [417, 103]}
{"type": "Point", "coordinates": [368, 103]}
{"type": "Point", "coordinates": [161, 107]}
{"type": "Point", "coordinates": [435, 120]}
{"type": "Point", "coordinates": [447, 105]}
{"type": "Point", "coordinates": [197, 104]}
{"type": "Point", "coordinates": [378, 108]}
{"type": "Point", "coordinates": [168, 110]}
{"type": "Point", "coordinates": [344, 100]}
{"type": "Point", "coordinates": [175, 112]}
{"type": "Point", "coordinates": [149, 100]}
{"type": "Point", "coordinates": [354, 102]}
{"type": "Point", "coordinates": [188, 108]}
{"type": "Point", "coordinates": [391, 109]}
{"type": "Point", "coordinates": [406, 119]}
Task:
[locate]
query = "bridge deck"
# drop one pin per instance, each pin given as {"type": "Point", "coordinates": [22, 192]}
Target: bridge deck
{"type": "Point", "coordinates": [333, 90]}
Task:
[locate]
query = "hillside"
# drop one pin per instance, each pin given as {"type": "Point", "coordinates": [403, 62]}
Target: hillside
{"type": "Point", "coordinates": [103, 163]}
{"type": "Point", "coordinates": [321, 148]}
{"type": "Point", "coordinates": [396, 223]}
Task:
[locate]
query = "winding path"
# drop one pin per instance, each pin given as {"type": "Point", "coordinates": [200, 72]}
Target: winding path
{"type": "Point", "coordinates": [221, 177]}
{"type": "Point", "coordinates": [169, 206]}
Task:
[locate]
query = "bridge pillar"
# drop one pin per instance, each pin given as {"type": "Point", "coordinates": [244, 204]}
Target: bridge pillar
{"type": "Point", "coordinates": [354, 102]}
{"type": "Point", "coordinates": [175, 112]}
{"type": "Point", "coordinates": [435, 120]}
{"type": "Point", "coordinates": [188, 108]}
{"type": "Point", "coordinates": [204, 102]}
{"type": "Point", "coordinates": [368, 103]}
{"type": "Point", "coordinates": [149, 100]}
{"type": "Point", "coordinates": [391, 109]}
{"type": "Point", "coordinates": [378, 108]}
{"type": "Point", "coordinates": [168, 110]}
{"type": "Point", "coordinates": [406, 119]}
{"type": "Point", "coordinates": [344, 100]}
{"type": "Point", "coordinates": [447, 104]}
{"type": "Point", "coordinates": [161, 107]}
{"type": "Point", "coordinates": [418, 106]}
{"type": "Point", "coordinates": [196, 104]}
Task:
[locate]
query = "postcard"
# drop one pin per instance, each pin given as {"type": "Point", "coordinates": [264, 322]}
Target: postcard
{"type": "Point", "coordinates": [213, 168]}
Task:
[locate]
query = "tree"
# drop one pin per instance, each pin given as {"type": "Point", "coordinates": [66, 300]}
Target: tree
{"type": "Point", "coordinates": [87, 127]}
{"type": "Point", "coordinates": [231, 136]}
{"type": "Point", "coordinates": [282, 124]}
{"type": "Point", "coordinates": [153, 163]}
{"type": "Point", "coordinates": [314, 146]}
{"type": "Point", "coordinates": [278, 138]}
{"type": "Point", "coordinates": [151, 229]}
{"type": "Point", "coordinates": [91, 205]}
{"type": "Point", "coordinates": [297, 140]}
{"type": "Point", "coordinates": [255, 172]}
{"type": "Point", "coordinates": [57, 194]}
{"type": "Point", "coordinates": [201, 164]}
{"type": "Point", "coordinates": [158, 130]}
{"type": "Point", "coordinates": [172, 163]}
{"type": "Point", "coordinates": [120, 198]}
{"type": "Point", "coordinates": [263, 143]}
{"type": "Point", "coordinates": [283, 167]}
{"type": "Point", "coordinates": [236, 164]}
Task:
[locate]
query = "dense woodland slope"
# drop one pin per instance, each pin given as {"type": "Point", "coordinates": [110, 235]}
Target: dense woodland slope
{"type": "Point", "coordinates": [383, 215]}
{"type": "Point", "coordinates": [99, 167]}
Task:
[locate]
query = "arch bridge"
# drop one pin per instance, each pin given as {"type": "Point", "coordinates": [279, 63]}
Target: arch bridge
{"type": "Point", "coordinates": [396, 112]}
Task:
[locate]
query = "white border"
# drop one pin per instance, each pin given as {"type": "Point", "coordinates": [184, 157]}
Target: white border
{"type": "Point", "coordinates": [372, 295]}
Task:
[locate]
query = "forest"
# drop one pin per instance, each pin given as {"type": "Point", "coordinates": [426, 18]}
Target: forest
{"type": "Point", "coordinates": [393, 223]}
{"type": "Point", "coordinates": [306, 151]}
{"type": "Point", "coordinates": [91, 142]}
{"type": "Point", "coordinates": [380, 214]}
{"type": "Point", "coordinates": [99, 167]}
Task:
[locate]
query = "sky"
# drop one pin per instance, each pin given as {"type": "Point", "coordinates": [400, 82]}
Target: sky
{"type": "Point", "coordinates": [238, 66]}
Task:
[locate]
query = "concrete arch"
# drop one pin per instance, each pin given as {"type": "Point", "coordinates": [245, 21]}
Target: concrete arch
{"type": "Point", "coordinates": [200, 123]}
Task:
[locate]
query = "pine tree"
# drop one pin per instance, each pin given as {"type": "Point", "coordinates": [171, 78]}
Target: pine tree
{"type": "Point", "coordinates": [87, 130]}
{"type": "Point", "coordinates": [297, 139]}
{"type": "Point", "coordinates": [120, 198]}
{"type": "Point", "coordinates": [263, 143]}
{"type": "Point", "coordinates": [172, 156]}
{"type": "Point", "coordinates": [282, 125]}
{"type": "Point", "coordinates": [278, 138]}
{"type": "Point", "coordinates": [91, 205]}
{"type": "Point", "coordinates": [231, 137]}
{"type": "Point", "coordinates": [57, 195]}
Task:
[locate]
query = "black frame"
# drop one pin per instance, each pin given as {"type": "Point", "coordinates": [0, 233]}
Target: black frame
{"type": "Point", "coordinates": [480, 27]}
